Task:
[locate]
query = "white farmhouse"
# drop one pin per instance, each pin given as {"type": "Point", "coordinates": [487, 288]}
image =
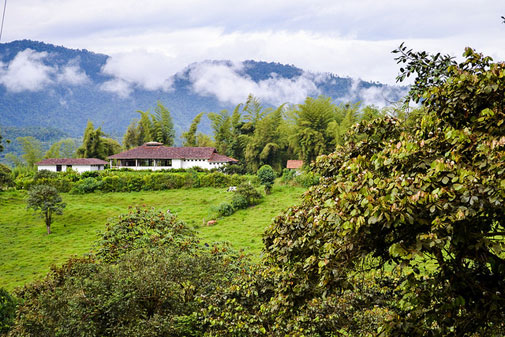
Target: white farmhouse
{"type": "Point", "coordinates": [155, 156]}
{"type": "Point", "coordinates": [76, 164]}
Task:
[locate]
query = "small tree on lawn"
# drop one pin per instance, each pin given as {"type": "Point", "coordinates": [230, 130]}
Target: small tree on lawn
{"type": "Point", "coordinates": [266, 176]}
{"type": "Point", "coordinates": [45, 199]}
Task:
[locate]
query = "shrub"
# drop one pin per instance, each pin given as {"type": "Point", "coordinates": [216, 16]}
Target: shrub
{"type": "Point", "coordinates": [5, 176]}
{"type": "Point", "coordinates": [225, 209]}
{"type": "Point", "coordinates": [307, 179]}
{"type": "Point", "coordinates": [239, 202]}
{"type": "Point", "coordinates": [151, 278]}
{"type": "Point", "coordinates": [288, 176]}
{"type": "Point", "coordinates": [44, 174]}
{"type": "Point", "coordinates": [7, 311]}
{"type": "Point", "coordinates": [141, 228]}
{"type": "Point", "coordinates": [266, 175]}
{"type": "Point", "coordinates": [249, 193]}
{"type": "Point", "coordinates": [87, 185]}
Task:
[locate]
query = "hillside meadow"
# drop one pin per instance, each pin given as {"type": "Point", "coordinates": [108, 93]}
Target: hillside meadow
{"type": "Point", "coordinates": [27, 252]}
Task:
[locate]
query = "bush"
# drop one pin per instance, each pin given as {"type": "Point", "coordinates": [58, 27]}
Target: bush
{"type": "Point", "coordinates": [307, 179]}
{"type": "Point", "coordinates": [225, 209]}
{"type": "Point", "coordinates": [5, 176]}
{"type": "Point", "coordinates": [249, 193]}
{"type": "Point", "coordinates": [266, 175]}
{"type": "Point", "coordinates": [151, 278]}
{"type": "Point", "coordinates": [7, 311]}
{"type": "Point", "coordinates": [44, 174]}
{"type": "Point", "coordinates": [87, 185]}
{"type": "Point", "coordinates": [239, 202]}
{"type": "Point", "coordinates": [288, 175]}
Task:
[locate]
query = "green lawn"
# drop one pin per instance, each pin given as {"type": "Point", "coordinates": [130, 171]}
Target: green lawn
{"type": "Point", "coordinates": [27, 251]}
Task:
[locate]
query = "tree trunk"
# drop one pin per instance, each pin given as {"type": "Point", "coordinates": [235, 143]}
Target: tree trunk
{"type": "Point", "coordinates": [48, 222]}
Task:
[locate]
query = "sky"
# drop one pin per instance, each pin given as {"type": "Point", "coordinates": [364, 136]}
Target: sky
{"type": "Point", "coordinates": [151, 40]}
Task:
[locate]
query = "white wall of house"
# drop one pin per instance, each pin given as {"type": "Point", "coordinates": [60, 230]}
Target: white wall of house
{"type": "Point", "coordinates": [180, 164]}
{"type": "Point", "coordinates": [202, 163]}
{"type": "Point", "coordinates": [78, 168]}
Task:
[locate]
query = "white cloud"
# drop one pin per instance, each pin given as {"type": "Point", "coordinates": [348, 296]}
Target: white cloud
{"type": "Point", "coordinates": [27, 72]}
{"type": "Point", "coordinates": [117, 86]}
{"type": "Point", "coordinates": [72, 74]}
{"type": "Point", "coordinates": [347, 37]}
{"type": "Point", "coordinates": [230, 85]}
{"type": "Point", "coordinates": [379, 96]}
{"type": "Point", "coordinates": [147, 70]}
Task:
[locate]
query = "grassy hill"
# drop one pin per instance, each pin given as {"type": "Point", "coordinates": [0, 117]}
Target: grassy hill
{"type": "Point", "coordinates": [27, 252]}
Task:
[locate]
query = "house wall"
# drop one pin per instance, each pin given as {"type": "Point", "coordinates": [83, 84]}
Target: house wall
{"type": "Point", "coordinates": [78, 168]}
{"type": "Point", "coordinates": [178, 164]}
{"type": "Point", "coordinates": [189, 163]}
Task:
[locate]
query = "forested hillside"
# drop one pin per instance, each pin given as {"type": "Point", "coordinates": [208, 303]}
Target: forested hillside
{"type": "Point", "coordinates": [52, 86]}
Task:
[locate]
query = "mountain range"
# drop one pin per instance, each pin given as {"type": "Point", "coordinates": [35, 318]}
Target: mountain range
{"type": "Point", "coordinates": [48, 87]}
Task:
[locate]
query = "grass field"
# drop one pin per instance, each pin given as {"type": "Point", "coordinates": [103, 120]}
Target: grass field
{"type": "Point", "coordinates": [27, 251]}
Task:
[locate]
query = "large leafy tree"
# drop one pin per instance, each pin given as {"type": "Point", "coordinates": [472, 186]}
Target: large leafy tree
{"type": "Point", "coordinates": [311, 137]}
{"type": "Point", "coordinates": [96, 145]}
{"type": "Point", "coordinates": [404, 235]}
{"type": "Point", "coordinates": [162, 125]}
{"type": "Point", "coordinates": [65, 148]}
{"type": "Point", "coordinates": [190, 137]}
{"type": "Point", "coordinates": [32, 150]}
{"type": "Point", "coordinates": [46, 200]}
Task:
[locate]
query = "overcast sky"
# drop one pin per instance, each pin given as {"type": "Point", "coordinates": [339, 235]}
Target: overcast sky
{"type": "Point", "coordinates": [348, 38]}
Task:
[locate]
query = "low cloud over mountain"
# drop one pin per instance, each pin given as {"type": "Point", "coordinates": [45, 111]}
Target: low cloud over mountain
{"type": "Point", "coordinates": [46, 85]}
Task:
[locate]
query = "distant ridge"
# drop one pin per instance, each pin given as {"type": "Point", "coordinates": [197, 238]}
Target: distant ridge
{"type": "Point", "coordinates": [72, 91]}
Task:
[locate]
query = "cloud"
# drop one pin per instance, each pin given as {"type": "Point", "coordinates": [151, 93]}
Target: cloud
{"type": "Point", "coordinates": [229, 84]}
{"type": "Point", "coordinates": [117, 86]}
{"type": "Point", "coordinates": [72, 74]}
{"type": "Point", "coordinates": [27, 72]}
{"type": "Point", "coordinates": [146, 70]}
{"type": "Point", "coordinates": [380, 96]}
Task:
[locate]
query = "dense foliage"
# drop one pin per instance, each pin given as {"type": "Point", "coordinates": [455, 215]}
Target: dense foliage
{"type": "Point", "coordinates": [150, 277]}
{"type": "Point", "coordinates": [7, 310]}
{"type": "Point", "coordinates": [125, 181]}
{"type": "Point", "coordinates": [404, 234]}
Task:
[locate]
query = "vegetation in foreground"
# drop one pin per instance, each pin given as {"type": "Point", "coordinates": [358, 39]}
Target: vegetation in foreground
{"type": "Point", "coordinates": [27, 252]}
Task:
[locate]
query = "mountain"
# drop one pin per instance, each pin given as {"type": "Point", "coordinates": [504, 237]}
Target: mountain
{"type": "Point", "coordinates": [48, 86]}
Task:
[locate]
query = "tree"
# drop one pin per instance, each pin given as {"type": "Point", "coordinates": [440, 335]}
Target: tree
{"type": "Point", "coordinates": [162, 125]}
{"type": "Point", "coordinates": [1, 143]}
{"type": "Point", "coordinates": [189, 137]}
{"type": "Point", "coordinates": [266, 175]}
{"type": "Point", "coordinates": [404, 234]}
{"type": "Point", "coordinates": [92, 145]}
{"type": "Point", "coordinates": [131, 137]}
{"type": "Point", "coordinates": [311, 137]}
{"type": "Point", "coordinates": [47, 201]}
{"type": "Point", "coordinates": [65, 148]}
{"type": "Point", "coordinates": [32, 150]}
{"type": "Point", "coordinates": [110, 147]}
{"type": "Point", "coordinates": [221, 125]}
{"type": "Point", "coordinates": [203, 140]}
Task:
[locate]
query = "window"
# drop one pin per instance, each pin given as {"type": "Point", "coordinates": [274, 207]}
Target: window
{"type": "Point", "coordinates": [146, 162]}
{"type": "Point", "coordinates": [164, 162]}
{"type": "Point", "coordinates": [58, 168]}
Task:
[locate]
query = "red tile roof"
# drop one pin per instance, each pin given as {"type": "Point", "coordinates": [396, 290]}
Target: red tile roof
{"type": "Point", "coordinates": [219, 158]}
{"type": "Point", "coordinates": [294, 164]}
{"type": "Point", "coordinates": [154, 150]}
{"type": "Point", "coordinates": [71, 161]}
